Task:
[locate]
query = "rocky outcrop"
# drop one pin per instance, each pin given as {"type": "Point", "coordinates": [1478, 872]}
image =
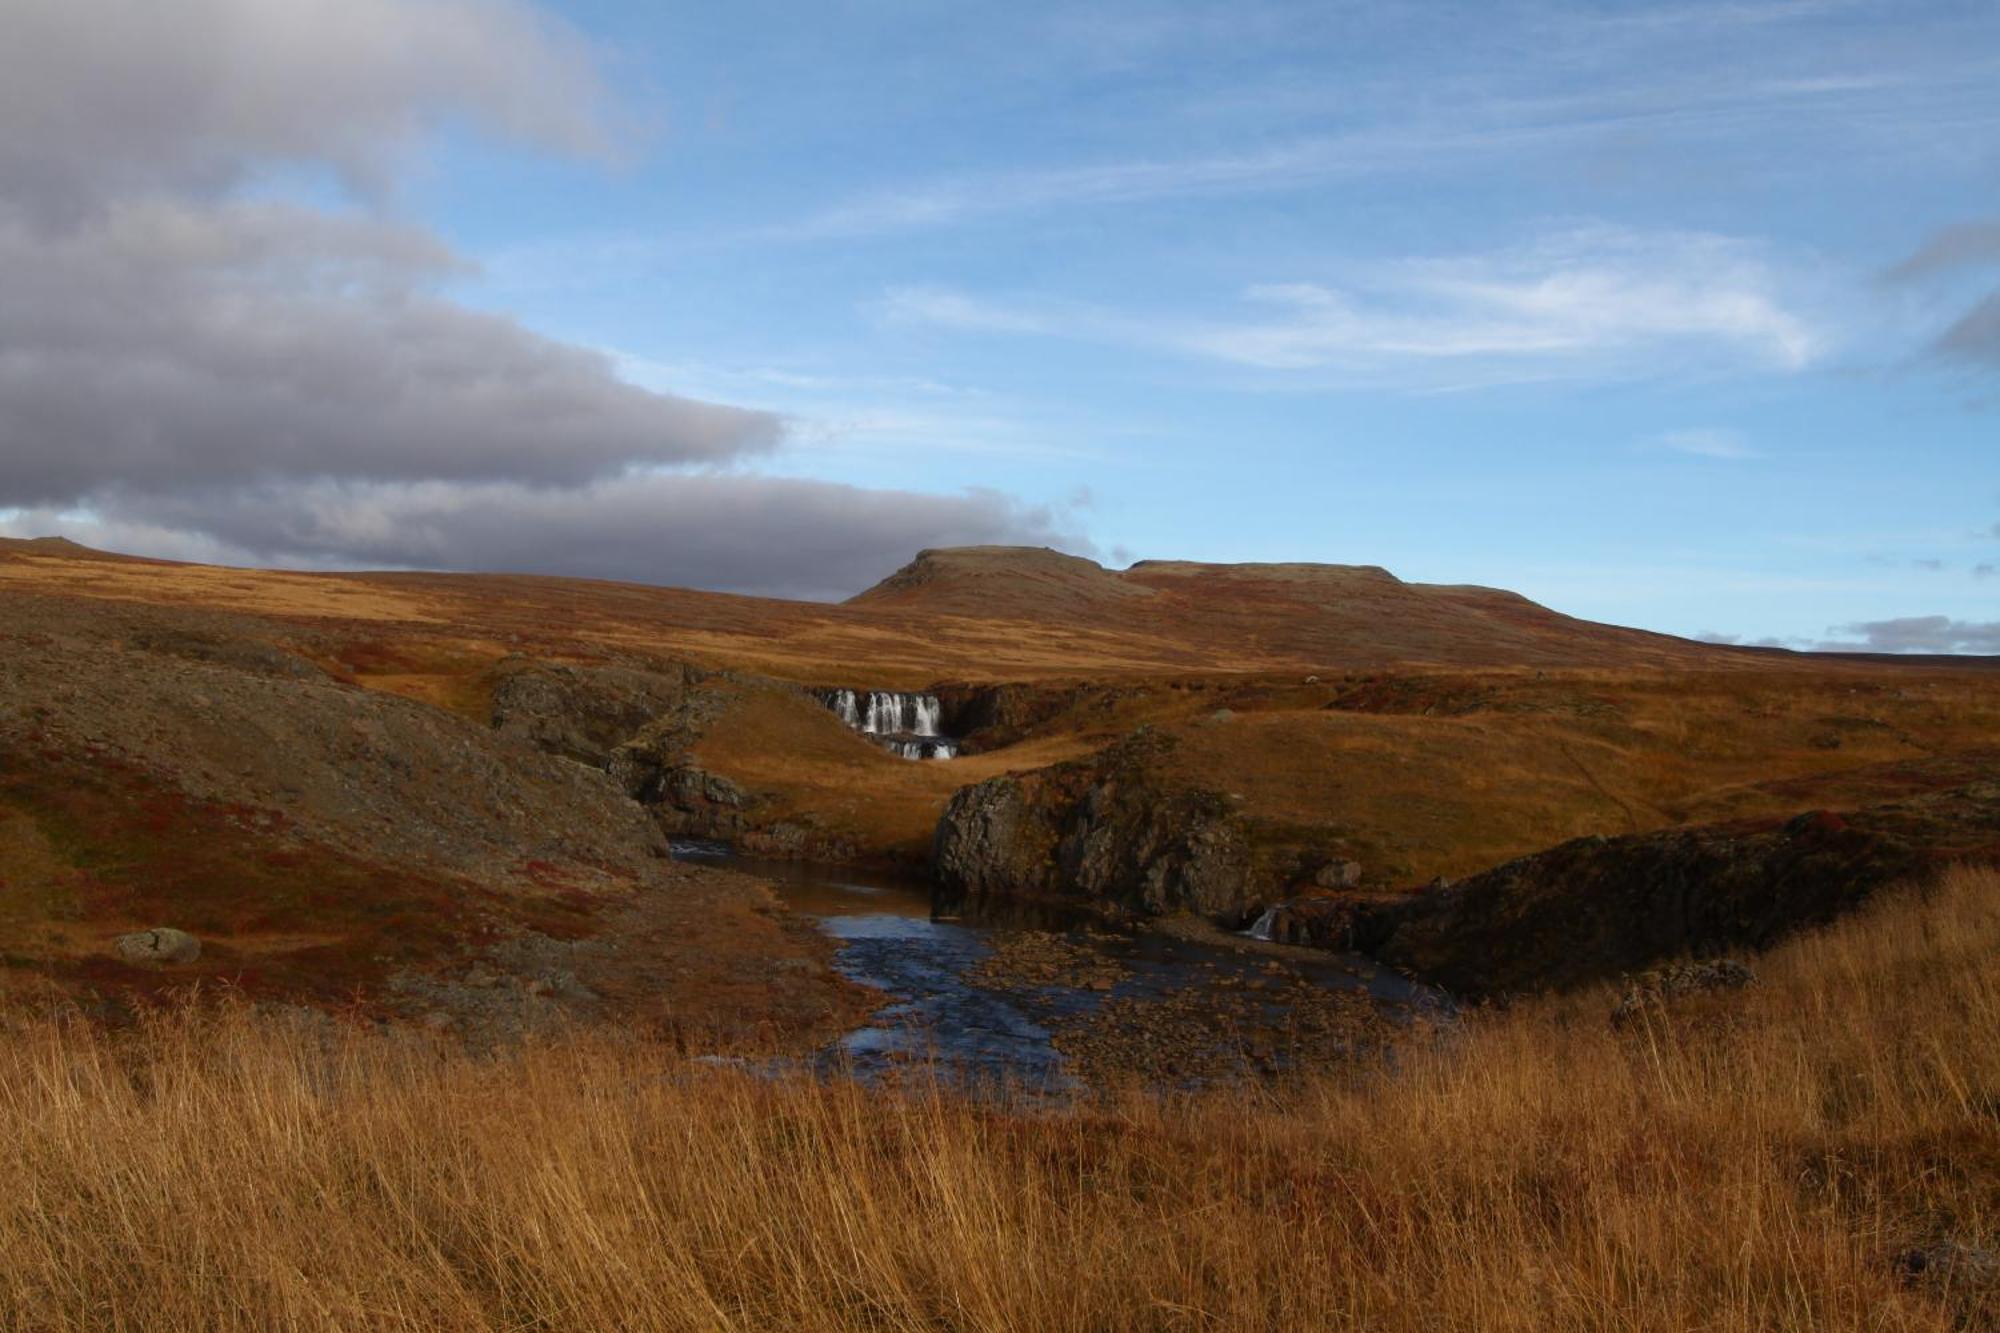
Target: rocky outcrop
{"type": "Point", "coordinates": [1106, 832]}
{"type": "Point", "coordinates": [656, 766]}
{"type": "Point", "coordinates": [241, 654]}
{"type": "Point", "coordinates": [585, 712]}
{"type": "Point", "coordinates": [1596, 908]}
{"type": "Point", "coordinates": [205, 707]}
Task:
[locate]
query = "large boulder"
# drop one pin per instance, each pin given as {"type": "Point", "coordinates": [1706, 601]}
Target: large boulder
{"type": "Point", "coordinates": [161, 947]}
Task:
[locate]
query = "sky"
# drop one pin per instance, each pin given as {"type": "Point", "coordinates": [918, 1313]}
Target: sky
{"type": "Point", "coordinates": [1677, 315]}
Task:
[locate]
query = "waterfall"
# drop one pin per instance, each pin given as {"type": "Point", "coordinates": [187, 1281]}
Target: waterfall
{"type": "Point", "coordinates": [1261, 928]}
{"type": "Point", "coordinates": [844, 705]}
{"type": "Point", "coordinates": [924, 749]}
{"type": "Point", "coordinates": [905, 724]}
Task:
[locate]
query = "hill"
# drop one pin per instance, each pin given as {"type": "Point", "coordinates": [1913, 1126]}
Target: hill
{"type": "Point", "coordinates": [1264, 616]}
{"type": "Point", "coordinates": [997, 613]}
{"type": "Point", "coordinates": [459, 761]}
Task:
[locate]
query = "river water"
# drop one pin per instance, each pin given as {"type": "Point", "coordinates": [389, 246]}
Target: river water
{"type": "Point", "coordinates": [934, 1009]}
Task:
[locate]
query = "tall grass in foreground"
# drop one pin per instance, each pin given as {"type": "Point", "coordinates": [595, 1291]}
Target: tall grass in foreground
{"type": "Point", "coordinates": [1752, 1161]}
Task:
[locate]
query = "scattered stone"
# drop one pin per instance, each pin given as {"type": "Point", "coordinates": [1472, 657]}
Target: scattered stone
{"type": "Point", "coordinates": [1029, 960]}
{"type": "Point", "coordinates": [1228, 1033]}
{"type": "Point", "coordinates": [161, 947]}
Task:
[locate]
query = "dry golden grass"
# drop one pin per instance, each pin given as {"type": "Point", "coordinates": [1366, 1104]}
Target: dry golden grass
{"type": "Point", "coordinates": [1755, 1161]}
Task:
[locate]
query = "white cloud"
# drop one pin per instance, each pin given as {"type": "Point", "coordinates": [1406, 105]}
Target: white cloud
{"type": "Point", "coordinates": [1584, 302]}
{"type": "Point", "coordinates": [188, 371]}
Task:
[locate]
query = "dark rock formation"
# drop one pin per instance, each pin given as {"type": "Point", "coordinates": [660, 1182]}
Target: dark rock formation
{"type": "Point", "coordinates": [1323, 921]}
{"type": "Point", "coordinates": [1596, 907]}
{"type": "Point", "coordinates": [1106, 831]}
{"type": "Point", "coordinates": [659, 771]}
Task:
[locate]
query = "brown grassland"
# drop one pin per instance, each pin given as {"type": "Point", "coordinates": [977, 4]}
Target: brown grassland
{"type": "Point", "coordinates": [1756, 1160]}
{"type": "Point", "coordinates": [1450, 727]}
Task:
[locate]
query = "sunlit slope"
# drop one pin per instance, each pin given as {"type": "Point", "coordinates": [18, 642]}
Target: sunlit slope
{"type": "Point", "coordinates": [987, 612]}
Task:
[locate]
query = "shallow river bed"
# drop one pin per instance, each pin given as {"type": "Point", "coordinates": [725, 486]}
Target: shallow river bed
{"type": "Point", "coordinates": [1040, 1010]}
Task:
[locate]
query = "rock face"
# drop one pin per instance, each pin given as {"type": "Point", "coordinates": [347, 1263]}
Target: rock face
{"type": "Point", "coordinates": [657, 768]}
{"type": "Point", "coordinates": [162, 947]}
{"type": "Point", "coordinates": [1597, 907]}
{"type": "Point", "coordinates": [585, 713]}
{"type": "Point", "coordinates": [1102, 832]}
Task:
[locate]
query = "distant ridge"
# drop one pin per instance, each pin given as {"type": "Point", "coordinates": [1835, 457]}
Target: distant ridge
{"type": "Point", "coordinates": [978, 612]}
{"type": "Point", "coordinates": [67, 549]}
{"type": "Point", "coordinates": [1026, 582]}
{"type": "Point", "coordinates": [1336, 615]}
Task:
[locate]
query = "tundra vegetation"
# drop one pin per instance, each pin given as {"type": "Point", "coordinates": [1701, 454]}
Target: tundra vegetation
{"type": "Point", "coordinates": [1819, 1150]}
{"type": "Point", "coordinates": [345, 981]}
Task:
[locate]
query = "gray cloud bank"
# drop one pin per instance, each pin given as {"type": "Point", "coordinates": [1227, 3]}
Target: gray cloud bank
{"type": "Point", "coordinates": [1917, 634]}
{"type": "Point", "coordinates": [1974, 337]}
{"type": "Point", "coordinates": [775, 536]}
{"type": "Point", "coordinates": [201, 371]}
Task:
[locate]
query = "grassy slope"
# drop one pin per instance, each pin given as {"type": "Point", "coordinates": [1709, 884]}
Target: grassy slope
{"type": "Point", "coordinates": [1757, 1160]}
{"type": "Point", "coordinates": [1417, 770]}
{"type": "Point", "coordinates": [1009, 624]}
{"type": "Point", "coordinates": [1438, 773]}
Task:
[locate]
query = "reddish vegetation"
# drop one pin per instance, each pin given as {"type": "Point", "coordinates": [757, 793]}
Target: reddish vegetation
{"type": "Point", "coordinates": [283, 917]}
{"type": "Point", "coordinates": [1338, 711]}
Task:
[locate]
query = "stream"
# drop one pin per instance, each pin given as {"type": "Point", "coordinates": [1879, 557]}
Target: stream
{"type": "Point", "coordinates": [934, 1008]}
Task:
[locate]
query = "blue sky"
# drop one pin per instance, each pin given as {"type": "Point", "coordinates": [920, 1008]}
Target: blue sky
{"type": "Point", "coordinates": [1675, 315]}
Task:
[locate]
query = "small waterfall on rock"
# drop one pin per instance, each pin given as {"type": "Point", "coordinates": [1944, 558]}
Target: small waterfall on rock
{"type": "Point", "coordinates": [903, 723]}
{"type": "Point", "coordinates": [1261, 928]}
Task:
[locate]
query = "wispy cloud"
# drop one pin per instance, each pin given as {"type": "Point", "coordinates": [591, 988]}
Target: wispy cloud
{"type": "Point", "coordinates": [1708, 442]}
{"type": "Point", "coordinates": [865, 415]}
{"type": "Point", "coordinates": [1623, 94]}
{"type": "Point", "coordinates": [1584, 302]}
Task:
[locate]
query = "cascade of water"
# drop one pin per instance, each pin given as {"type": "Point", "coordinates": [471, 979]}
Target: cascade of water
{"type": "Point", "coordinates": [884, 715]}
{"type": "Point", "coordinates": [845, 707]}
{"type": "Point", "coordinates": [907, 724]}
{"type": "Point", "coordinates": [1260, 929]}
